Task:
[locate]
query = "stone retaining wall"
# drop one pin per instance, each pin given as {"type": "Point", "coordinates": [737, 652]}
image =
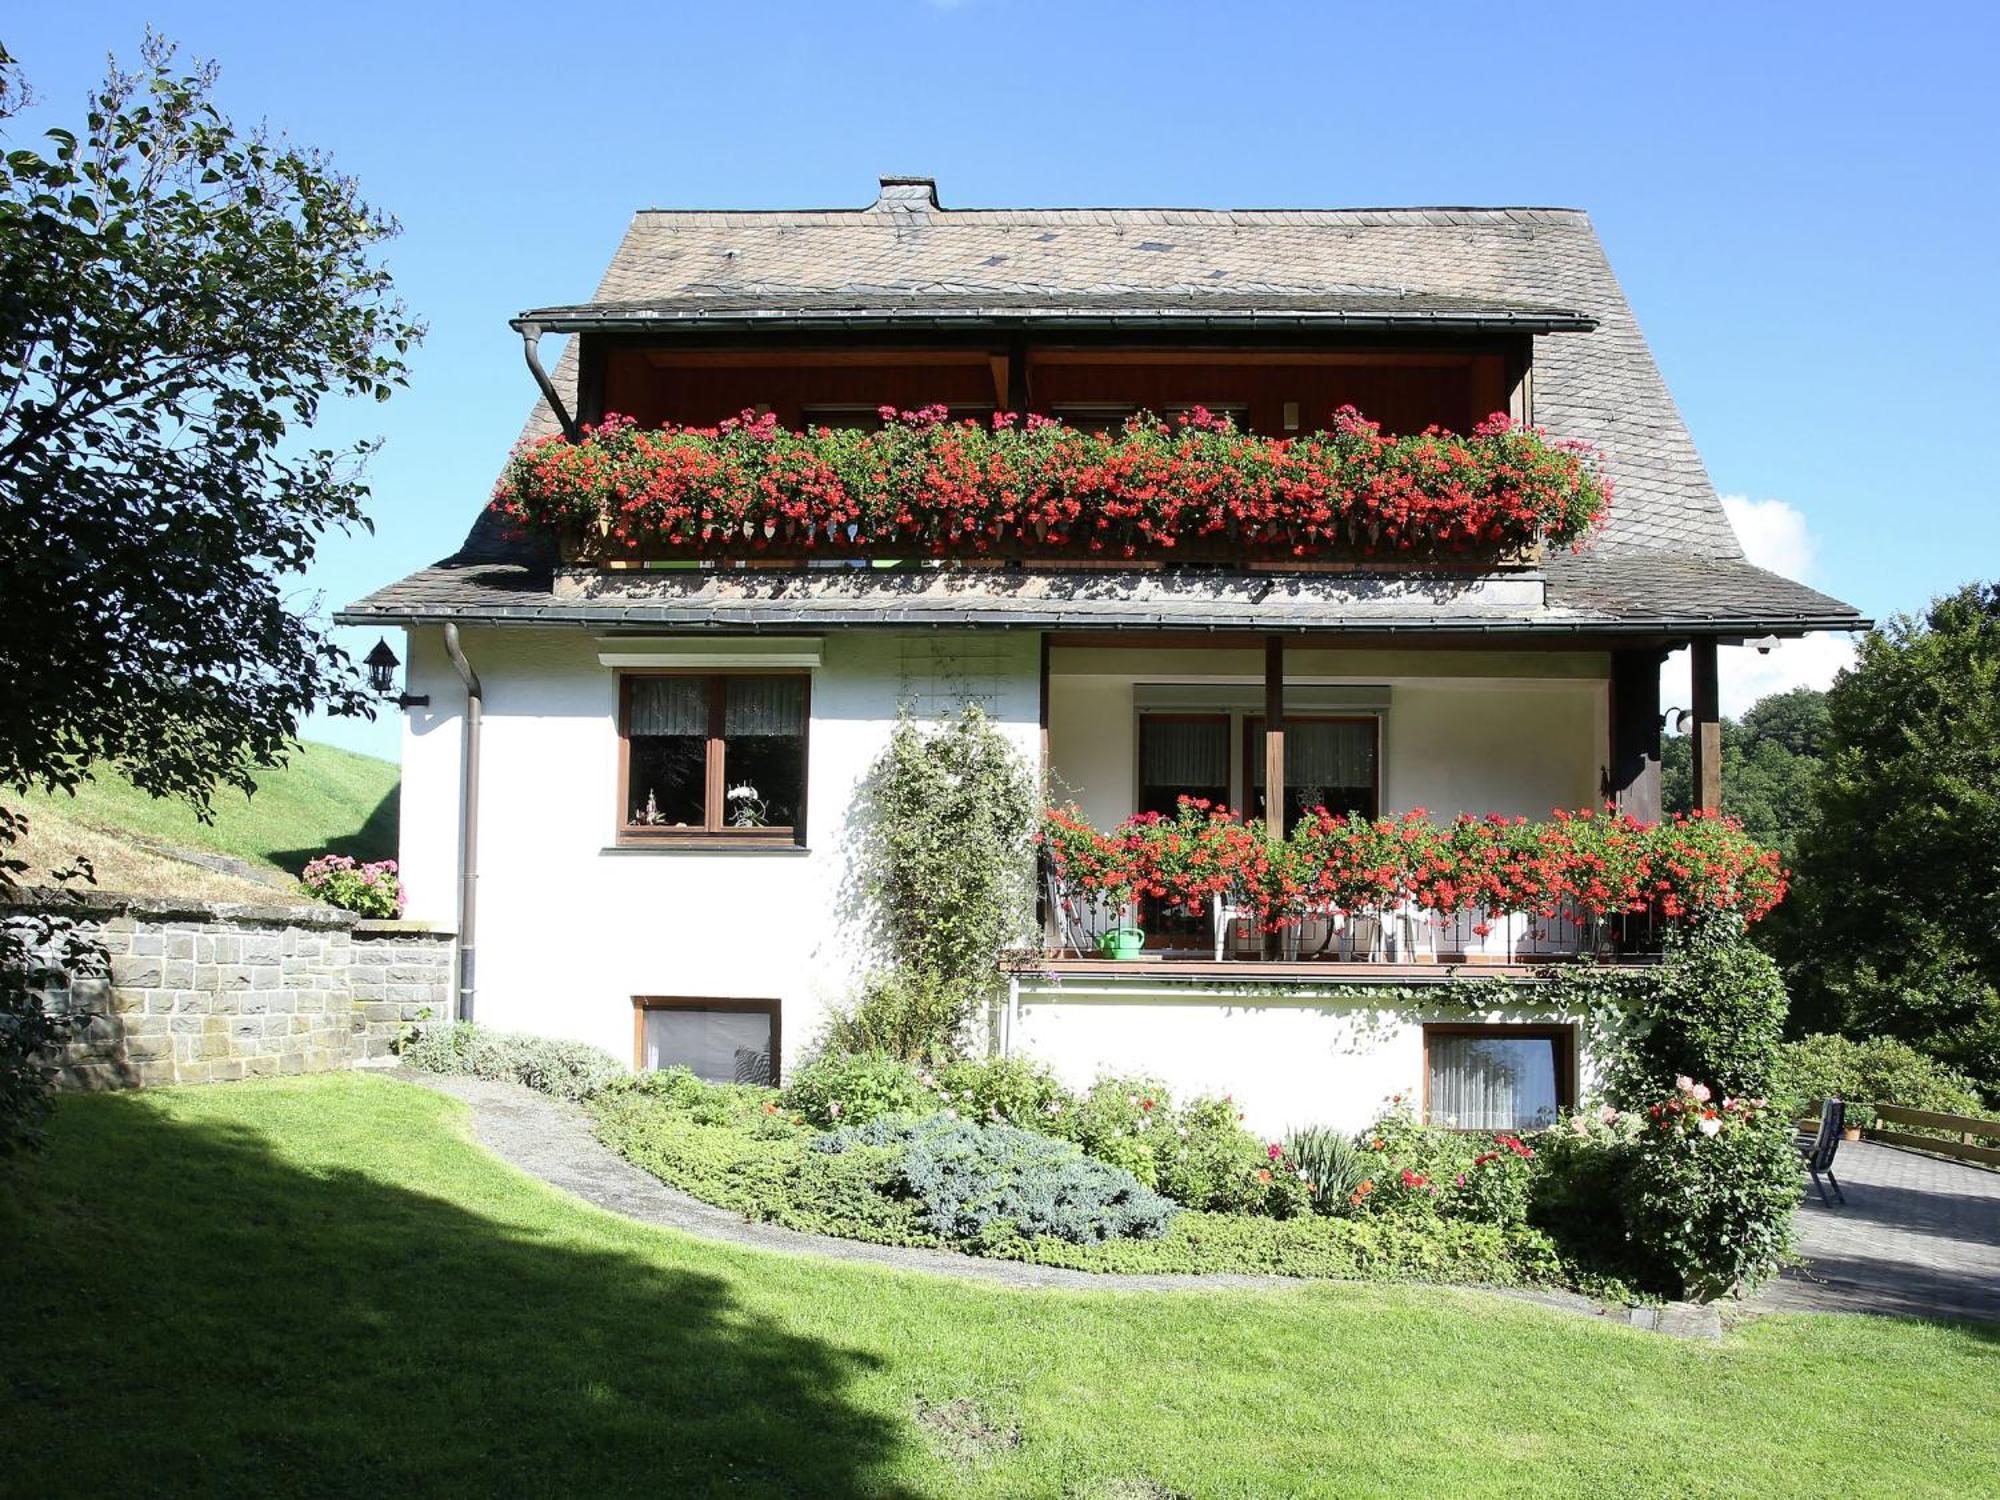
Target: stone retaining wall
{"type": "Point", "coordinates": [200, 993]}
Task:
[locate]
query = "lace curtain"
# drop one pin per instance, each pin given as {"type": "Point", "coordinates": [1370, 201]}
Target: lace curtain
{"type": "Point", "coordinates": [1493, 1082]}
{"type": "Point", "coordinates": [750, 705]}
{"type": "Point", "coordinates": [1184, 753]}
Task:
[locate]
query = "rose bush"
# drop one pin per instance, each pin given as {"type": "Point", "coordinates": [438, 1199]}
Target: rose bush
{"type": "Point", "coordinates": [929, 486]}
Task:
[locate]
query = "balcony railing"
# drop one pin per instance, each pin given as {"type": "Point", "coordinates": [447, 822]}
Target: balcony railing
{"type": "Point", "coordinates": [1402, 932]}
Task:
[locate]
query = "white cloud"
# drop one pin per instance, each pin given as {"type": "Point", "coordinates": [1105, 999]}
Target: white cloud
{"type": "Point", "coordinates": [1774, 535]}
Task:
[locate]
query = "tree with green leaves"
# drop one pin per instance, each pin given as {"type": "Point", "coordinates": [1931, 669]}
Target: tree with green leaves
{"type": "Point", "coordinates": [1899, 870]}
{"type": "Point", "coordinates": [178, 300]}
{"type": "Point", "coordinates": [1768, 761]}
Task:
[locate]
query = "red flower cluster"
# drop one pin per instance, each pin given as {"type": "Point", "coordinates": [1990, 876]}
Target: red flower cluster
{"type": "Point", "coordinates": [1588, 864]}
{"type": "Point", "coordinates": [926, 486]}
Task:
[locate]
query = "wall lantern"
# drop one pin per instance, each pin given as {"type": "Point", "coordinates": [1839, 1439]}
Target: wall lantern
{"type": "Point", "coordinates": [382, 663]}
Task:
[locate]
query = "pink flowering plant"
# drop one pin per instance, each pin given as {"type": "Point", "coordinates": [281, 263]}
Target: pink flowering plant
{"type": "Point", "coordinates": [373, 890]}
{"type": "Point", "coordinates": [1709, 1190]}
{"type": "Point", "coordinates": [924, 485]}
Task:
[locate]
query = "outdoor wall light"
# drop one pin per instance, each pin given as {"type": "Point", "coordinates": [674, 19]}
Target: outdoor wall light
{"type": "Point", "coordinates": [382, 663]}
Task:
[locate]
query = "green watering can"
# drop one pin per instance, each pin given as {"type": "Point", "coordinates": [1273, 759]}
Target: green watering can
{"type": "Point", "coordinates": [1122, 942]}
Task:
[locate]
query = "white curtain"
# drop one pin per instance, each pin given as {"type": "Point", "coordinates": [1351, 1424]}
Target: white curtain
{"type": "Point", "coordinates": [1184, 752]}
{"type": "Point", "coordinates": [1493, 1082]}
{"type": "Point", "coordinates": [764, 705]}
{"type": "Point", "coordinates": [722, 1046]}
{"type": "Point", "coordinates": [668, 705]}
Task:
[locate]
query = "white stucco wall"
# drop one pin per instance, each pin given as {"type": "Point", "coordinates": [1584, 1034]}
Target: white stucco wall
{"type": "Point", "coordinates": [1286, 1062]}
{"type": "Point", "coordinates": [1519, 733]}
{"type": "Point", "coordinates": [572, 927]}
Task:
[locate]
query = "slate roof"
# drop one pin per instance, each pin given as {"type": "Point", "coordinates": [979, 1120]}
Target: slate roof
{"type": "Point", "coordinates": [1666, 556]}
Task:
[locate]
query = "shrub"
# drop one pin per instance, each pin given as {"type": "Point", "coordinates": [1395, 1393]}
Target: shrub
{"type": "Point", "coordinates": [373, 890]}
{"type": "Point", "coordinates": [1717, 1014]}
{"type": "Point", "coordinates": [852, 1088]}
{"type": "Point", "coordinates": [1206, 1159]}
{"type": "Point", "coordinates": [987, 1184]}
{"type": "Point", "coordinates": [1118, 1120]}
{"type": "Point", "coordinates": [562, 1069]}
{"type": "Point", "coordinates": [1878, 1070]}
{"type": "Point", "coordinates": [1011, 1090]}
{"type": "Point", "coordinates": [1577, 1197]}
{"type": "Point", "coordinates": [1709, 1188]}
{"type": "Point", "coordinates": [907, 1014]}
{"type": "Point", "coordinates": [1409, 1168]}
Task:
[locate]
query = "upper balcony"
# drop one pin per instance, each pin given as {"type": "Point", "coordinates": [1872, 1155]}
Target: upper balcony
{"type": "Point", "coordinates": [1152, 455]}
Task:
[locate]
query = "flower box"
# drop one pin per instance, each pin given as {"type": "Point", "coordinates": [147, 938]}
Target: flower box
{"type": "Point", "coordinates": [922, 487]}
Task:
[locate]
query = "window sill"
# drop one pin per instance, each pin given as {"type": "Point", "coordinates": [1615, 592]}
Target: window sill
{"type": "Point", "coordinates": [700, 845]}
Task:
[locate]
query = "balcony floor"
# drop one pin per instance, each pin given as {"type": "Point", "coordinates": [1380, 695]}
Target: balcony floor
{"type": "Point", "coordinates": [1188, 969]}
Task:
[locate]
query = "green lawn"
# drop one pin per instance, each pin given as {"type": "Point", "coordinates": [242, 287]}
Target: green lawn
{"type": "Point", "coordinates": [319, 1287]}
{"type": "Point", "coordinates": [322, 800]}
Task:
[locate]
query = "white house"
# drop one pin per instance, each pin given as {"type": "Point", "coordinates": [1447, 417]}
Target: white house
{"type": "Point", "coordinates": [565, 795]}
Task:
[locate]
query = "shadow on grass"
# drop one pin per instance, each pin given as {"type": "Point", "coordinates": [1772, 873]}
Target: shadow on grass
{"type": "Point", "coordinates": [189, 1314]}
{"type": "Point", "coordinates": [374, 839]}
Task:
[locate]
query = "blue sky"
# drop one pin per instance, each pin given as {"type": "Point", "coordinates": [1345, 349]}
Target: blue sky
{"type": "Point", "coordinates": [1799, 199]}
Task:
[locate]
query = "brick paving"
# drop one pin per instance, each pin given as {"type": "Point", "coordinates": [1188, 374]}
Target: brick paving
{"type": "Point", "coordinates": [1919, 1236]}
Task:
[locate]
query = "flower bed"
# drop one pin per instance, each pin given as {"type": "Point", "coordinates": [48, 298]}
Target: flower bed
{"type": "Point", "coordinates": [926, 486]}
{"type": "Point", "coordinates": [1589, 864]}
{"type": "Point", "coordinates": [970, 1184]}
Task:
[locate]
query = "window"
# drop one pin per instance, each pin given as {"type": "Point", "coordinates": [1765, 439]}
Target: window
{"type": "Point", "coordinates": [1498, 1077]}
{"type": "Point", "coordinates": [1329, 762]}
{"type": "Point", "coordinates": [1182, 755]}
{"type": "Point", "coordinates": [722, 1041]}
{"type": "Point", "coordinates": [712, 755]}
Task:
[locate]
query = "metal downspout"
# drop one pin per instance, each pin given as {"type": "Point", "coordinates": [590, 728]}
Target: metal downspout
{"type": "Point", "coordinates": [531, 337]}
{"type": "Point", "coordinates": [468, 833]}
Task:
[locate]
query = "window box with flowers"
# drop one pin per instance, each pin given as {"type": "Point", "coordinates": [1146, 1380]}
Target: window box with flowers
{"type": "Point", "coordinates": [923, 486]}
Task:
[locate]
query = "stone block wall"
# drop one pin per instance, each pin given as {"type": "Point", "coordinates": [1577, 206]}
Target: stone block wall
{"type": "Point", "coordinates": [200, 993]}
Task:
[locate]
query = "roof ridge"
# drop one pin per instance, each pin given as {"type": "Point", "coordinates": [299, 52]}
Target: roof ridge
{"type": "Point", "coordinates": [874, 210]}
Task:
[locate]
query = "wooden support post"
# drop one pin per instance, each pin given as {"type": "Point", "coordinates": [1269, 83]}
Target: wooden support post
{"type": "Point", "coordinates": [1633, 782]}
{"type": "Point", "coordinates": [1274, 735]}
{"type": "Point", "coordinates": [1707, 729]}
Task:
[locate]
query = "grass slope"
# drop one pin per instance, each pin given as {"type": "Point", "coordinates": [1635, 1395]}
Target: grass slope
{"type": "Point", "coordinates": [323, 800]}
{"type": "Point", "coordinates": [319, 1287]}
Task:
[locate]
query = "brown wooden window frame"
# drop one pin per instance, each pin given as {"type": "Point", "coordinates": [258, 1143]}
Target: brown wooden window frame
{"type": "Point", "coordinates": [715, 832]}
{"type": "Point", "coordinates": [643, 1003]}
{"type": "Point", "coordinates": [1561, 1034]}
{"type": "Point", "coordinates": [1253, 751]}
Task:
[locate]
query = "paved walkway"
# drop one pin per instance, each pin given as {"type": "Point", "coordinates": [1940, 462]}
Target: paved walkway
{"type": "Point", "coordinates": [1919, 1236]}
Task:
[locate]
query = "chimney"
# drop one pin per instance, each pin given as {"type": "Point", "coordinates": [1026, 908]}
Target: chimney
{"type": "Point", "coordinates": [911, 194]}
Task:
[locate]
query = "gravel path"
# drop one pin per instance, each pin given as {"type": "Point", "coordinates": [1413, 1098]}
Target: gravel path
{"type": "Point", "coordinates": [551, 1140]}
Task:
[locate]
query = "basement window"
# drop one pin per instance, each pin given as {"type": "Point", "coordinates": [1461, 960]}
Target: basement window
{"type": "Point", "coordinates": [719, 1041]}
